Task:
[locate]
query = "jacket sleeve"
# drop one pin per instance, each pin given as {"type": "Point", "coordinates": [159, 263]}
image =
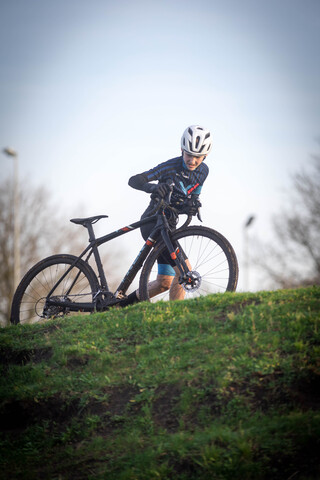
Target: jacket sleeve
{"type": "Point", "coordinates": [140, 182]}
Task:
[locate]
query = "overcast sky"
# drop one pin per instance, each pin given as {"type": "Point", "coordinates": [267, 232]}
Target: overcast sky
{"type": "Point", "coordinates": [95, 91]}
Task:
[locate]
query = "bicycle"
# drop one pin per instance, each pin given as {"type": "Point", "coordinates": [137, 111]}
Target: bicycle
{"type": "Point", "coordinates": [63, 284]}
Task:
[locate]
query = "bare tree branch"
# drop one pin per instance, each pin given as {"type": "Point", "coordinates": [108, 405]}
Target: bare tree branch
{"type": "Point", "coordinates": [294, 259]}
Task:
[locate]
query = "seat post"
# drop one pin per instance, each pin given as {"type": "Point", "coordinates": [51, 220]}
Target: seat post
{"type": "Point", "coordinates": [87, 223]}
{"type": "Point", "coordinates": [89, 226]}
{"type": "Point", "coordinates": [97, 257]}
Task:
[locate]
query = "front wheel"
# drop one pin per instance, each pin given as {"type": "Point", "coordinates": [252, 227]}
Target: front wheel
{"type": "Point", "coordinates": [29, 303]}
{"type": "Point", "coordinates": [214, 266]}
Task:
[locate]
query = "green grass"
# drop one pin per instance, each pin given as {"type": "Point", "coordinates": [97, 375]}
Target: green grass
{"type": "Point", "coordinates": [224, 387]}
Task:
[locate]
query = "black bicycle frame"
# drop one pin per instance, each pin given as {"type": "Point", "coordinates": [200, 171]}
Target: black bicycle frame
{"type": "Point", "coordinates": [161, 227]}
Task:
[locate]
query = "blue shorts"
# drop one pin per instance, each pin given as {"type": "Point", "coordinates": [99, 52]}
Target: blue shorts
{"type": "Point", "coordinates": [166, 269]}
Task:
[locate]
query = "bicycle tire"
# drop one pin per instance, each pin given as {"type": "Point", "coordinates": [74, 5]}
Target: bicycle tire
{"type": "Point", "coordinates": [29, 299]}
{"type": "Point", "coordinates": [211, 256]}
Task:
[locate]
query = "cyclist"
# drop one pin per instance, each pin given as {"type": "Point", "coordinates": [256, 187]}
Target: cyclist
{"type": "Point", "coordinates": [187, 173]}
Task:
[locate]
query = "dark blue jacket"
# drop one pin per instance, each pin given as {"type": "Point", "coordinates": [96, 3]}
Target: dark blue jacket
{"type": "Point", "coordinates": [186, 183]}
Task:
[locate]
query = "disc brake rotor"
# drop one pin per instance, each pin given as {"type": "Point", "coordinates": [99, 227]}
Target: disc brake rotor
{"type": "Point", "coordinates": [192, 281]}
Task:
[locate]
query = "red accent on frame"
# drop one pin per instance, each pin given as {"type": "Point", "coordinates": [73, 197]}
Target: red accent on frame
{"type": "Point", "coordinates": [149, 243]}
{"type": "Point", "coordinates": [125, 229]}
{"type": "Point", "coordinates": [173, 255]}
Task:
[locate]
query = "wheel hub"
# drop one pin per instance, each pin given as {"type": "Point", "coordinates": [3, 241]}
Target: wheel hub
{"type": "Point", "coordinates": [191, 282]}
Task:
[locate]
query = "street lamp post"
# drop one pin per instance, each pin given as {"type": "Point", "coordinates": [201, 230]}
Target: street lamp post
{"type": "Point", "coordinates": [16, 233]}
{"type": "Point", "coordinates": [246, 252]}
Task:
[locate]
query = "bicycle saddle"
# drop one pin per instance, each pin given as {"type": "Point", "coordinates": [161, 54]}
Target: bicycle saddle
{"type": "Point", "coordinates": [83, 221]}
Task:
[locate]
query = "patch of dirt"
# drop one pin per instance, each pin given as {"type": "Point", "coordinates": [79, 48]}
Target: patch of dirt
{"type": "Point", "coordinates": [119, 398]}
{"type": "Point", "coordinates": [9, 356]}
{"type": "Point", "coordinates": [163, 408]}
{"type": "Point", "coordinates": [123, 342]}
{"type": "Point", "coordinates": [237, 308]}
{"type": "Point", "coordinates": [17, 415]}
{"type": "Point", "coordinates": [185, 467]}
{"type": "Point", "coordinates": [74, 361]}
{"type": "Point", "coordinates": [300, 465]}
{"type": "Point", "coordinates": [48, 329]}
{"type": "Point", "coordinates": [306, 392]}
{"type": "Point", "coordinates": [114, 411]}
{"type": "Point", "coordinates": [212, 402]}
{"type": "Point", "coordinates": [268, 391]}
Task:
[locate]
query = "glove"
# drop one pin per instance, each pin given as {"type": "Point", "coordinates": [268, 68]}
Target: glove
{"type": "Point", "coordinates": [191, 206]}
{"type": "Point", "coordinates": [160, 190]}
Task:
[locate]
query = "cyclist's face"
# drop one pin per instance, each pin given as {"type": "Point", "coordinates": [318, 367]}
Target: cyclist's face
{"type": "Point", "coordinates": [192, 162]}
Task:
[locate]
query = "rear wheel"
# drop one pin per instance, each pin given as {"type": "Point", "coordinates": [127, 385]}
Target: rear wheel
{"type": "Point", "coordinates": [29, 301]}
{"type": "Point", "coordinates": [214, 266]}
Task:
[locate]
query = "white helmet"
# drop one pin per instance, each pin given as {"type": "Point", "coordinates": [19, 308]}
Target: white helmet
{"type": "Point", "coordinates": [196, 141]}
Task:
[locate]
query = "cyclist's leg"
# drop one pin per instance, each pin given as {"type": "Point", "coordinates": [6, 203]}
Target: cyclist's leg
{"type": "Point", "coordinates": [170, 281]}
{"type": "Point", "coordinates": [177, 292]}
{"type": "Point", "coordinates": [167, 277]}
{"type": "Point", "coordinates": [164, 279]}
{"type": "Point", "coordinates": [166, 272]}
{"type": "Point", "coordinates": [160, 285]}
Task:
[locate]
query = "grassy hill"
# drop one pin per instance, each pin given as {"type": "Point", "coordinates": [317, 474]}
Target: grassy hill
{"type": "Point", "coordinates": [224, 387]}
